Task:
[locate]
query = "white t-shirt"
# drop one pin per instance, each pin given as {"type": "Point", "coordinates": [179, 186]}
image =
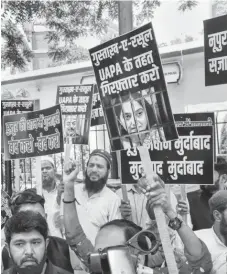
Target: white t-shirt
{"type": "Point", "coordinates": [216, 248]}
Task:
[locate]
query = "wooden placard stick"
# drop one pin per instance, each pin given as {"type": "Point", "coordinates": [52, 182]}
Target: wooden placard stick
{"type": "Point", "coordinates": [160, 218]}
{"type": "Point", "coordinates": [123, 187]}
{"type": "Point", "coordinates": [184, 198]}
{"type": "Point", "coordinates": [167, 188]}
{"type": "Point", "coordinates": [39, 185]}
{"type": "Point", "coordinates": [66, 159]}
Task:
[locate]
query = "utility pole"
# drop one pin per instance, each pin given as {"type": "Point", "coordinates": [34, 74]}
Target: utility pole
{"type": "Point", "coordinates": [126, 25]}
{"type": "Point", "coordinates": [125, 16]}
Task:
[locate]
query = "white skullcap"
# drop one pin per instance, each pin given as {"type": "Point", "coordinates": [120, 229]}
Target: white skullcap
{"type": "Point", "coordinates": [48, 158]}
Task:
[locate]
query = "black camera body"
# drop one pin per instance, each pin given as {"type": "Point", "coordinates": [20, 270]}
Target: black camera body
{"type": "Point", "coordinates": [113, 260]}
{"type": "Point", "coordinates": [120, 259]}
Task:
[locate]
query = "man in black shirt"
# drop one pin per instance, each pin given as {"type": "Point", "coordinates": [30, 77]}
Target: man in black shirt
{"type": "Point", "coordinates": [57, 249]}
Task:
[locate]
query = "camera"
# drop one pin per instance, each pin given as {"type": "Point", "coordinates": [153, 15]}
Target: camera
{"type": "Point", "coordinates": [119, 259]}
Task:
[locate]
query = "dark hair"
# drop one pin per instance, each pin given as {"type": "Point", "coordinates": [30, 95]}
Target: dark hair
{"type": "Point", "coordinates": [138, 98]}
{"type": "Point", "coordinates": [221, 166]}
{"type": "Point", "coordinates": [129, 227]}
{"type": "Point", "coordinates": [220, 209]}
{"type": "Point", "coordinates": [25, 221]}
{"type": "Point", "coordinates": [28, 196]}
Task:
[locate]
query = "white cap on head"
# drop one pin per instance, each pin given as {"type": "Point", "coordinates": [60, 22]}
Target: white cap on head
{"type": "Point", "coordinates": [48, 158]}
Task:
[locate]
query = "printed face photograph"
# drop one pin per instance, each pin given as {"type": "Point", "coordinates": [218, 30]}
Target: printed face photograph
{"type": "Point", "coordinates": [71, 126]}
{"type": "Point", "coordinates": [138, 119]}
{"type": "Point", "coordinates": [127, 119]}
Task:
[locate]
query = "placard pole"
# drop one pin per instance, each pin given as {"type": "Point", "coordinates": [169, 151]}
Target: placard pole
{"type": "Point", "coordinates": [184, 198]}
{"type": "Point", "coordinates": [67, 157]}
{"type": "Point", "coordinates": [160, 218]}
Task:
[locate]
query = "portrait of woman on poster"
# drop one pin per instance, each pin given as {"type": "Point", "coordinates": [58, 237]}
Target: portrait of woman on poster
{"type": "Point", "coordinates": [137, 113]}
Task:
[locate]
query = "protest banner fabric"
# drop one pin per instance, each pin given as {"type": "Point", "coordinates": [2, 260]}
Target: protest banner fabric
{"type": "Point", "coordinates": [188, 160]}
{"type": "Point", "coordinates": [33, 134]}
{"type": "Point", "coordinates": [215, 50]}
{"type": "Point", "coordinates": [97, 117]}
{"type": "Point", "coordinates": [131, 85]}
{"type": "Point", "coordinates": [76, 104]}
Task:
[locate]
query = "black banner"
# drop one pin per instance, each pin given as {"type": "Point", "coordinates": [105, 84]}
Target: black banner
{"type": "Point", "coordinates": [132, 89]}
{"type": "Point", "coordinates": [215, 50]}
{"type": "Point", "coordinates": [97, 117]}
{"type": "Point", "coordinates": [9, 107]}
{"type": "Point", "coordinates": [33, 134]}
{"type": "Point", "coordinates": [188, 160]}
{"type": "Point", "coordinates": [76, 104]}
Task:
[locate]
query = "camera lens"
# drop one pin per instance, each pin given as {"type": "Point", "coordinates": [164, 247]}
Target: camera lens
{"type": "Point", "coordinates": [147, 241]}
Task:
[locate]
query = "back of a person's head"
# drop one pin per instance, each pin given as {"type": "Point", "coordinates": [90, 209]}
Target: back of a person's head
{"type": "Point", "coordinates": [28, 196]}
{"type": "Point", "coordinates": [221, 165]}
{"type": "Point", "coordinates": [25, 221]}
{"type": "Point", "coordinates": [218, 201]}
{"type": "Point", "coordinates": [129, 227]}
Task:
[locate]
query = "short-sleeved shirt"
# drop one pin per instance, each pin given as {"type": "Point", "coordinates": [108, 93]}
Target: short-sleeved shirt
{"type": "Point", "coordinates": [97, 210]}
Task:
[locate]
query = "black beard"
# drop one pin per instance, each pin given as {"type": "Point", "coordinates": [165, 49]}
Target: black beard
{"type": "Point", "coordinates": [47, 182]}
{"type": "Point", "coordinates": [33, 269]}
{"type": "Point", "coordinates": [212, 188]}
{"type": "Point", "coordinates": [95, 186]}
{"type": "Point", "coordinates": [223, 229]}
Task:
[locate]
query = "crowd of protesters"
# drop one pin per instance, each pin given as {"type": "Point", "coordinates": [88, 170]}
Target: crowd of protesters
{"type": "Point", "coordinates": [39, 240]}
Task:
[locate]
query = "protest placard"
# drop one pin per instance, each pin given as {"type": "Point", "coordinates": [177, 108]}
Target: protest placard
{"type": "Point", "coordinates": [97, 117]}
{"type": "Point", "coordinates": [132, 89]}
{"type": "Point", "coordinates": [188, 160]}
{"type": "Point", "coordinates": [215, 50]}
{"type": "Point", "coordinates": [33, 134]}
{"type": "Point", "coordinates": [76, 103]}
{"type": "Point", "coordinates": [16, 107]}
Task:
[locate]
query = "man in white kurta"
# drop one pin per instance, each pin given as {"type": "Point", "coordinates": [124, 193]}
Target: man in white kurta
{"type": "Point", "coordinates": [97, 204]}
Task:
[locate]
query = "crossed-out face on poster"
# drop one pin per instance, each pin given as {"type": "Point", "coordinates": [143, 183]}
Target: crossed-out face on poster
{"type": "Point", "coordinates": [76, 104]}
{"type": "Point", "coordinates": [132, 89]}
{"type": "Point", "coordinates": [188, 160]}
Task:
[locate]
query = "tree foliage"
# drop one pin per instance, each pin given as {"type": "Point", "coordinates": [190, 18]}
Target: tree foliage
{"type": "Point", "coordinates": [67, 21]}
